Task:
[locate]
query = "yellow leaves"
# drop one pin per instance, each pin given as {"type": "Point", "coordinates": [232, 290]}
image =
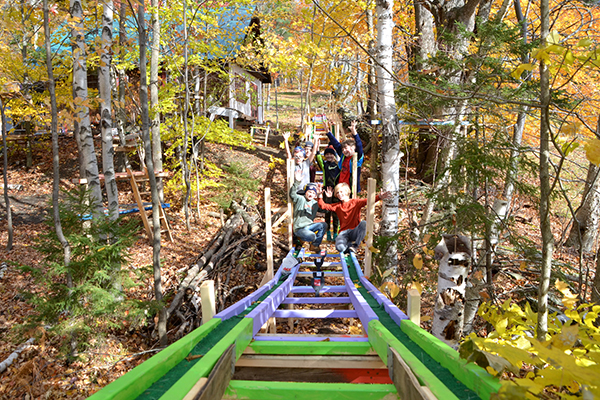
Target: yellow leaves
{"type": "Point", "coordinates": [567, 338]}
{"type": "Point", "coordinates": [390, 289]}
{"type": "Point", "coordinates": [373, 250]}
{"type": "Point", "coordinates": [553, 37]}
{"type": "Point", "coordinates": [592, 151]}
{"type": "Point", "coordinates": [569, 299]}
{"type": "Point", "coordinates": [417, 286]}
{"type": "Point", "coordinates": [523, 67]}
{"type": "Point", "coordinates": [501, 326]}
{"type": "Point", "coordinates": [418, 261]}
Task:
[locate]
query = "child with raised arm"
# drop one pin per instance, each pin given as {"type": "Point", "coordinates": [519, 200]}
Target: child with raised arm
{"type": "Point", "coordinates": [346, 150]}
{"type": "Point", "coordinates": [331, 175]}
{"type": "Point", "coordinates": [305, 211]}
{"type": "Point", "coordinates": [352, 229]}
{"type": "Point", "coordinates": [301, 159]}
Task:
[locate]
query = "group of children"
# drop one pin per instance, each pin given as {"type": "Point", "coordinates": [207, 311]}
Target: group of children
{"type": "Point", "coordinates": [341, 212]}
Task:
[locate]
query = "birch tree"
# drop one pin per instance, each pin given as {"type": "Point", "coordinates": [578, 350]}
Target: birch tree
{"type": "Point", "coordinates": [390, 147]}
{"type": "Point", "coordinates": [155, 113]}
{"type": "Point", "coordinates": [158, 294]}
{"type": "Point", "coordinates": [88, 164]}
{"type": "Point", "coordinates": [106, 123]}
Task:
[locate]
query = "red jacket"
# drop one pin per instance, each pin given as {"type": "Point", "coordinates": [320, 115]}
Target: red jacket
{"type": "Point", "coordinates": [348, 212]}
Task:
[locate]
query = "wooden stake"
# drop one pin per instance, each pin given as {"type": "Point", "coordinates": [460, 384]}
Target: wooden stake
{"type": "Point", "coordinates": [371, 194]}
{"type": "Point", "coordinates": [414, 306]}
{"type": "Point", "coordinates": [354, 176]}
{"type": "Point", "coordinates": [268, 234]}
{"type": "Point", "coordinates": [207, 298]}
{"type": "Point", "coordinates": [290, 182]}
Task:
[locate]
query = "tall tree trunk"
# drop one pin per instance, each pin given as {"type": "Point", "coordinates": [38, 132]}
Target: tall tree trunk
{"type": "Point", "coordinates": [120, 113]}
{"type": "Point", "coordinates": [104, 82]}
{"type": "Point", "coordinates": [372, 79]}
{"type": "Point", "coordinates": [186, 166]}
{"type": "Point", "coordinates": [454, 254]}
{"type": "Point", "coordinates": [585, 223]}
{"type": "Point", "coordinates": [155, 125]}
{"type": "Point", "coordinates": [162, 313]}
{"type": "Point", "coordinates": [82, 128]}
{"type": "Point", "coordinates": [390, 145]}
{"type": "Point", "coordinates": [545, 189]}
{"type": "Point", "coordinates": [9, 242]}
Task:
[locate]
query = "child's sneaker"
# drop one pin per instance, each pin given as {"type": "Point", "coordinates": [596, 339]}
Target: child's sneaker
{"type": "Point", "coordinates": [328, 236]}
{"type": "Point", "coordinates": [314, 249]}
{"type": "Point", "coordinates": [335, 236]}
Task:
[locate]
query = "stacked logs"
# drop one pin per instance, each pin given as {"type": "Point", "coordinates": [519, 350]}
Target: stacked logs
{"type": "Point", "coordinates": [234, 259]}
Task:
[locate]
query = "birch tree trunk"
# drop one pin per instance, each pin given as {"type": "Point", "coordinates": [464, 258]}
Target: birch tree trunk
{"type": "Point", "coordinates": [390, 146]}
{"type": "Point", "coordinates": [104, 82]}
{"type": "Point", "coordinates": [55, 157]}
{"type": "Point", "coordinates": [82, 128]}
{"type": "Point", "coordinates": [372, 78]}
{"type": "Point", "coordinates": [454, 255]}
{"type": "Point", "coordinates": [162, 313]}
{"type": "Point", "coordinates": [545, 190]}
{"type": "Point", "coordinates": [186, 166]}
{"type": "Point", "coordinates": [155, 124]}
{"type": "Point", "coordinates": [9, 242]}
{"type": "Point", "coordinates": [585, 223]}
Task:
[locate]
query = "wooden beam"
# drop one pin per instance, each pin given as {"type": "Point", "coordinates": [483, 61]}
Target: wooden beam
{"type": "Point", "coordinates": [207, 298]}
{"type": "Point", "coordinates": [268, 235]}
{"type": "Point", "coordinates": [214, 386]}
{"type": "Point", "coordinates": [308, 361]}
{"type": "Point", "coordinates": [406, 382]}
{"type": "Point", "coordinates": [371, 195]}
{"type": "Point", "coordinates": [414, 306]}
{"type": "Point", "coordinates": [328, 348]}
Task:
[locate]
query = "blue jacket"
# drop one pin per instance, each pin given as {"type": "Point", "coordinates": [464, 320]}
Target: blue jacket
{"type": "Point", "coordinates": [359, 153]}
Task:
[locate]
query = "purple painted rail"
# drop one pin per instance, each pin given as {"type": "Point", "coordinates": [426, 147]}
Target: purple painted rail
{"type": "Point", "coordinates": [310, 338]}
{"type": "Point", "coordinates": [395, 313]}
{"type": "Point", "coordinates": [326, 273]}
{"type": "Point", "coordinates": [324, 289]}
{"type": "Point", "coordinates": [240, 306]}
{"type": "Point", "coordinates": [364, 311]}
{"type": "Point", "coordinates": [315, 314]}
{"type": "Point", "coordinates": [265, 309]}
{"type": "Point", "coordinates": [316, 300]}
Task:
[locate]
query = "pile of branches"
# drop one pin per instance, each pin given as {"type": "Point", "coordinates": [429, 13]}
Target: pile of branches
{"type": "Point", "coordinates": [235, 259]}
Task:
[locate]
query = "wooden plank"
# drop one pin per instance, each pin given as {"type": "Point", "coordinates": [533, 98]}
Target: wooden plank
{"type": "Point", "coordinates": [308, 391]}
{"type": "Point", "coordinates": [371, 195]}
{"type": "Point", "coordinates": [285, 215]}
{"type": "Point", "coordinates": [140, 203]}
{"type": "Point", "coordinates": [315, 314]}
{"type": "Point", "coordinates": [325, 289]}
{"type": "Point", "coordinates": [381, 339]}
{"type": "Point", "coordinates": [241, 335]}
{"type": "Point", "coordinates": [309, 348]}
{"type": "Point", "coordinates": [310, 361]}
{"type": "Point", "coordinates": [406, 383]}
{"type": "Point", "coordinates": [136, 381]}
{"type": "Point", "coordinates": [217, 381]}
{"type": "Point", "coordinates": [310, 338]}
{"type": "Point", "coordinates": [471, 375]}
{"type": "Point", "coordinates": [316, 300]}
{"type": "Point", "coordinates": [269, 237]}
{"type": "Point", "coordinates": [413, 307]}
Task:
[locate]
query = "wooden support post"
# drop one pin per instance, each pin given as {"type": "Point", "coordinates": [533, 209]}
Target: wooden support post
{"type": "Point", "coordinates": [207, 298]}
{"type": "Point", "coordinates": [414, 306]}
{"type": "Point", "coordinates": [354, 176]}
{"type": "Point", "coordinates": [291, 320]}
{"type": "Point", "coordinates": [215, 385]}
{"type": "Point", "coordinates": [267, 134]}
{"type": "Point", "coordinates": [268, 235]}
{"type": "Point", "coordinates": [404, 379]}
{"type": "Point", "coordinates": [371, 194]}
{"type": "Point", "coordinates": [290, 182]}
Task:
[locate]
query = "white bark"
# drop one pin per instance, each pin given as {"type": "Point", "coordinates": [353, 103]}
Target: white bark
{"type": "Point", "coordinates": [390, 147]}
{"type": "Point", "coordinates": [155, 114]}
{"type": "Point", "coordinates": [545, 189]}
{"type": "Point", "coordinates": [587, 219]}
{"type": "Point", "coordinates": [13, 356]}
{"type": "Point", "coordinates": [82, 128]}
{"type": "Point", "coordinates": [454, 255]}
{"type": "Point", "coordinates": [104, 82]}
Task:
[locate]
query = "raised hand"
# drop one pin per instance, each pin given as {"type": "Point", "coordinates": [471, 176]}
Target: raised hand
{"type": "Point", "coordinates": [298, 175]}
{"type": "Point", "coordinates": [329, 191]}
{"type": "Point", "coordinates": [385, 195]}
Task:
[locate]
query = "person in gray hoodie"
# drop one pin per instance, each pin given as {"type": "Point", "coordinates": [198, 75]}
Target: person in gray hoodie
{"type": "Point", "coordinates": [305, 211]}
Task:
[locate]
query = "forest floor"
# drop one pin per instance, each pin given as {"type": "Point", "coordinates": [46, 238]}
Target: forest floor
{"type": "Point", "coordinates": [41, 371]}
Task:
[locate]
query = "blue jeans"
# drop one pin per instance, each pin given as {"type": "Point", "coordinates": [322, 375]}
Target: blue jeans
{"type": "Point", "coordinates": [351, 237]}
{"type": "Point", "coordinates": [312, 233]}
